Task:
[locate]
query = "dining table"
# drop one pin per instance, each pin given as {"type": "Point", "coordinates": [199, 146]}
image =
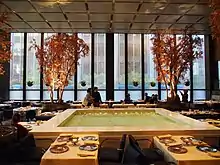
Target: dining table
{"type": "Point", "coordinates": [74, 155]}
{"type": "Point", "coordinates": [192, 156]}
{"type": "Point", "coordinates": [123, 106]}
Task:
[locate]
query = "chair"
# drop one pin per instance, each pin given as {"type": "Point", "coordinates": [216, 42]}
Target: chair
{"type": "Point", "coordinates": [30, 115]}
{"type": "Point", "coordinates": [110, 154]}
{"type": "Point", "coordinates": [151, 155]}
{"type": "Point", "coordinates": [27, 150]}
{"type": "Point", "coordinates": [1, 117]}
{"type": "Point", "coordinates": [25, 104]}
{"type": "Point", "coordinates": [23, 163]}
{"type": "Point", "coordinates": [130, 157]}
{"type": "Point", "coordinates": [21, 152]}
{"type": "Point", "coordinates": [114, 163]}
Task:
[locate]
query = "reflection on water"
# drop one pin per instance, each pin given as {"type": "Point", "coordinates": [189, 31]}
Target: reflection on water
{"type": "Point", "coordinates": [120, 118]}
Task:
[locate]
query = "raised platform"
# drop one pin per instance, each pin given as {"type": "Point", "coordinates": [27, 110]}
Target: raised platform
{"type": "Point", "coordinates": [188, 127]}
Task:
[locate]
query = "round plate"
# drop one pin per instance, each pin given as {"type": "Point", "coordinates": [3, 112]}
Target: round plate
{"type": "Point", "coordinates": [93, 138]}
{"type": "Point", "coordinates": [59, 149]}
{"type": "Point", "coordinates": [216, 124]}
{"type": "Point", "coordinates": [167, 140]}
{"type": "Point", "coordinates": [63, 139]}
{"type": "Point", "coordinates": [205, 148]}
{"type": "Point", "coordinates": [177, 150]}
{"type": "Point", "coordinates": [88, 147]}
{"type": "Point", "coordinates": [191, 141]}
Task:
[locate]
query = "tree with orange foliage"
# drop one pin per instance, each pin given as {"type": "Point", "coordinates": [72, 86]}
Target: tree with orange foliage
{"type": "Point", "coordinates": [173, 56]}
{"type": "Point", "coordinates": [215, 19]}
{"type": "Point", "coordinates": [58, 59]}
{"type": "Point", "coordinates": [5, 44]}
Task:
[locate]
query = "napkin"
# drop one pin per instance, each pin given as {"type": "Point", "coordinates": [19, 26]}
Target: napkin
{"type": "Point", "coordinates": [85, 153]}
{"type": "Point", "coordinates": [58, 144]}
{"type": "Point", "coordinates": [214, 154]}
{"type": "Point", "coordinates": [65, 134]}
{"type": "Point", "coordinates": [164, 136]}
{"type": "Point", "coordinates": [196, 143]}
{"type": "Point", "coordinates": [174, 144]}
{"type": "Point", "coordinates": [91, 142]}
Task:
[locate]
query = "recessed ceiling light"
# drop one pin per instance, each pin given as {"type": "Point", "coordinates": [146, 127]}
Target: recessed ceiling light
{"type": "Point", "coordinates": [51, 4]}
{"type": "Point", "coordinates": [147, 11]}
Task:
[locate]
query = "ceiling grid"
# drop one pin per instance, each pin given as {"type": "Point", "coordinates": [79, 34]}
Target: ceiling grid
{"type": "Point", "coordinates": [118, 16]}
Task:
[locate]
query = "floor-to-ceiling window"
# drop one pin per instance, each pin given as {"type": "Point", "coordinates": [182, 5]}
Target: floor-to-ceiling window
{"type": "Point", "coordinates": [32, 69]}
{"type": "Point", "coordinates": [119, 66]}
{"type": "Point", "coordinates": [134, 55]}
{"type": "Point", "coordinates": [100, 63]}
{"type": "Point", "coordinates": [150, 74]}
{"type": "Point", "coordinates": [16, 66]}
{"type": "Point", "coordinates": [134, 65]}
{"type": "Point", "coordinates": [84, 69]}
{"type": "Point", "coordinates": [199, 84]}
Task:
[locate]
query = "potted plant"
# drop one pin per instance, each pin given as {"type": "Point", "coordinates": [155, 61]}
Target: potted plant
{"type": "Point", "coordinates": [152, 84]}
{"type": "Point", "coordinates": [30, 83]}
{"type": "Point", "coordinates": [83, 83]}
{"type": "Point", "coordinates": [172, 57]}
{"type": "Point", "coordinates": [187, 83]}
{"type": "Point", "coordinates": [135, 83]}
{"type": "Point", "coordinates": [5, 43]}
{"type": "Point", "coordinates": [58, 59]}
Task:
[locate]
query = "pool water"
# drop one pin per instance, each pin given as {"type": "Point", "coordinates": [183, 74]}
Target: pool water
{"type": "Point", "coordinates": [120, 118]}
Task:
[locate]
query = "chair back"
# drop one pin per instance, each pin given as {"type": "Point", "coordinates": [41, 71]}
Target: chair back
{"type": "Point", "coordinates": [28, 141]}
{"type": "Point", "coordinates": [123, 141]}
{"type": "Point", "coordinates": [122, 146]}
{"type": "Point", "coordinates": [132, 141]}
{"type": "Point", "coordinates": [130, 155]}
{"type": "Point", "coordinates": [30, 115]}
{"type": "Point", "coordinates": [143, 158]}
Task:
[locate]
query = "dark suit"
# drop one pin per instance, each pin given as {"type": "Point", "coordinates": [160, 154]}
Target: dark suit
{"type": "Point", "coordinates": [96, 99]}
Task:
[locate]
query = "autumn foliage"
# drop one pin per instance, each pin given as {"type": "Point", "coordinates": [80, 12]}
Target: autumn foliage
{"type": "Point", "coordinates": [215, 19]}
{"type": "Point", "coordinates": [58, 59]}
{"type": "Point", "coordinates": [5, 44]}
{"type": "Point", "coordinates": [173, 56]}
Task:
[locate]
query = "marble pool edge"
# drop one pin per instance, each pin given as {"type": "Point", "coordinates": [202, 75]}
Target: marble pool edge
{"type": "Point", "coordinates": [50, 127]}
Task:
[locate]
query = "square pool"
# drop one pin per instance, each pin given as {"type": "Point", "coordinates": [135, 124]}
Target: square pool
{"type": "Point", "coordinates": [131, 118]}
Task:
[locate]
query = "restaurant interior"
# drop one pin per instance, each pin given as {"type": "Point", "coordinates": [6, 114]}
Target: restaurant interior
{"type": "Point", "coordinates": [109, 82]}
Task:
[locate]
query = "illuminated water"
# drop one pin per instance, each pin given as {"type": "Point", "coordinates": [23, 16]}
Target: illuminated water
{"type": "Point", "coordinates": [119, 118]}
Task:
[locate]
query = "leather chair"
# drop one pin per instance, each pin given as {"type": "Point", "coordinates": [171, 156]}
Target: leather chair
{"type": "Point", "coordinates": [110, 154]}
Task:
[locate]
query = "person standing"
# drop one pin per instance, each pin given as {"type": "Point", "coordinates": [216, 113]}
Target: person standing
{"type": "Point", "coordinates": [96, 97]}
{"type": "Point", "coordinates": [88, 99]}
{"type": "Point", "coordinates": [127, 99]}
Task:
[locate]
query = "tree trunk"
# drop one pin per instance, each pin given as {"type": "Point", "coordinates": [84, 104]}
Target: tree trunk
{"type": "Point", "coordinates": [60, 99]}
{"type": "Point", "coordinates": [167, 92]}
{"type": "Point", "coordinates": [174, 98]}
{"type": "Point", "coordinates": [51, 94]}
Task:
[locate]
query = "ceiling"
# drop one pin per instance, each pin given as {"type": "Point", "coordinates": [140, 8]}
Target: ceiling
{"type": "Point", "coordinates": [119, 16]}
